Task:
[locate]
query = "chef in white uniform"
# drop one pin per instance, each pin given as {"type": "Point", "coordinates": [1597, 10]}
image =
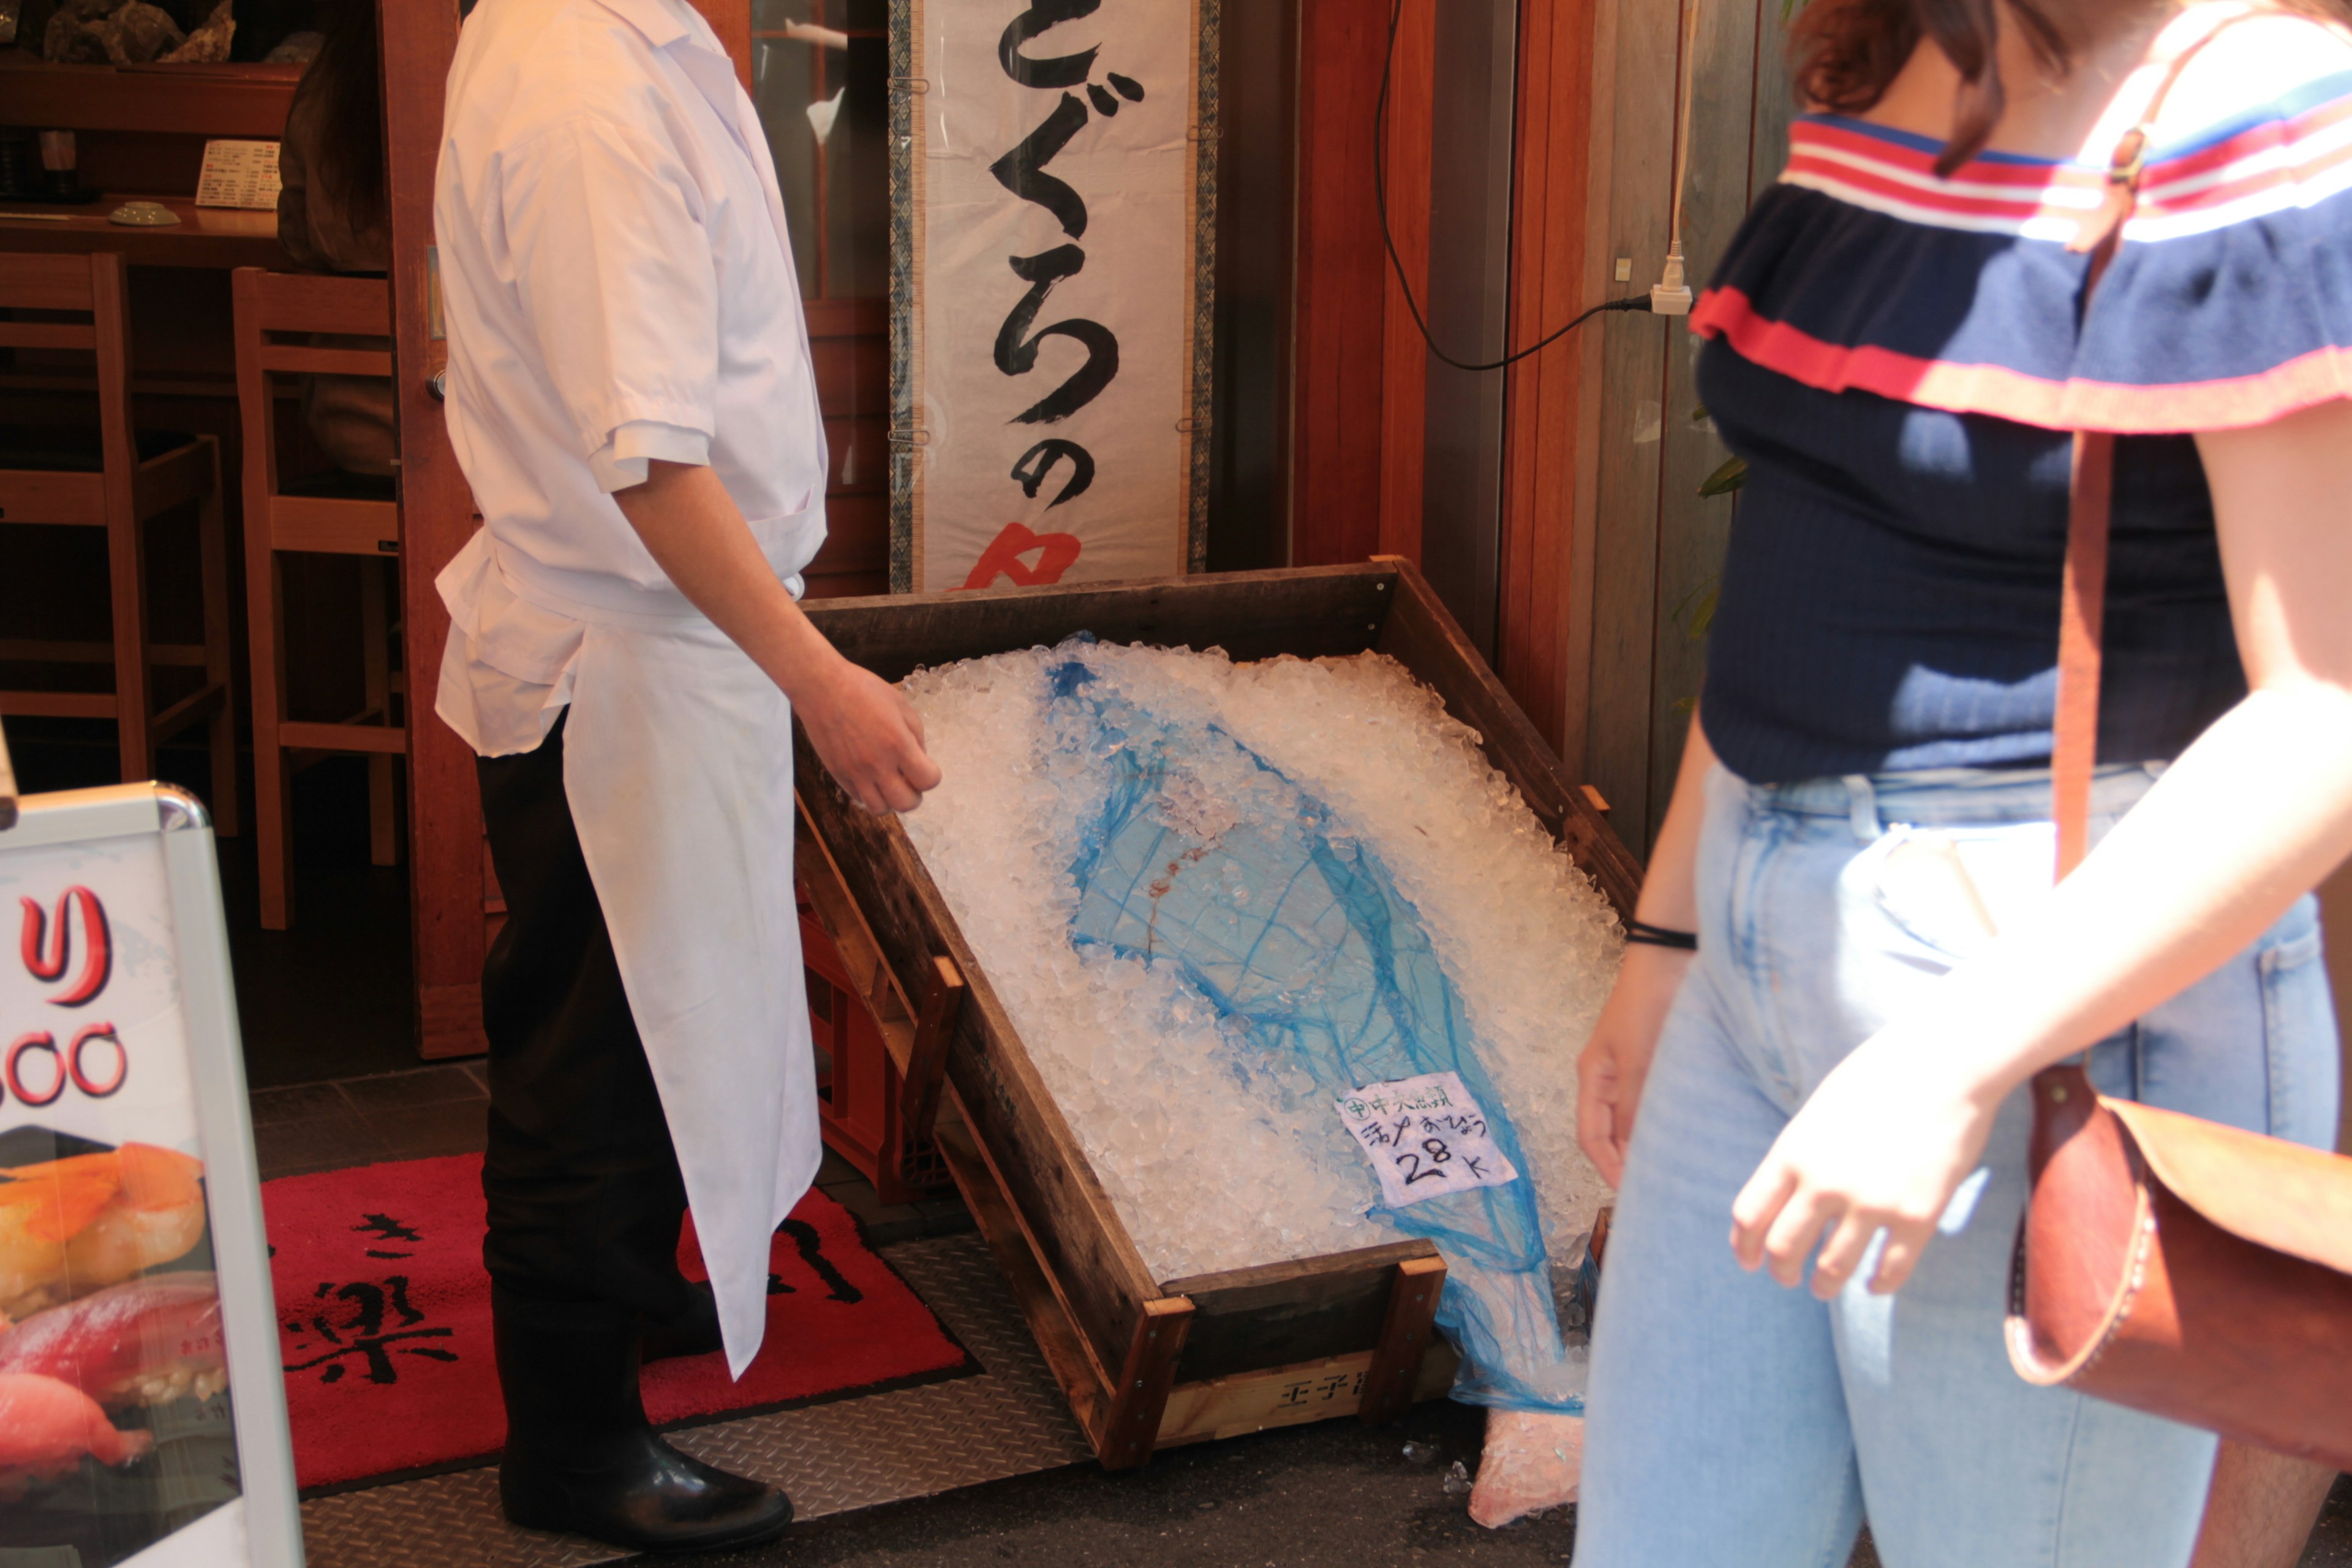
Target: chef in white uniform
{"type": "Point", "coordinates": [631, 397]}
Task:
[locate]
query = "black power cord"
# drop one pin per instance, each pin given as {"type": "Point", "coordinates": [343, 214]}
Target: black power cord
{"type": "Point", "coordinates": [1381, 199]}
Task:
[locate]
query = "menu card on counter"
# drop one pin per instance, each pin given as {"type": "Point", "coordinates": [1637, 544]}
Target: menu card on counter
{"type": "Point", "coordinates": [239, 174]}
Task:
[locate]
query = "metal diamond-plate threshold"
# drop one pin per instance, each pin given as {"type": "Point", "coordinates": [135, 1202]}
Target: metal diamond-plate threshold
{"type": "Point", "coordinates": [1008, 1420]}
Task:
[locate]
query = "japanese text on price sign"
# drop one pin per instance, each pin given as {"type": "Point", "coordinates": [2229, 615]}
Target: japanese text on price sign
{"type": "Point", "coordinates": [1424, 1136]}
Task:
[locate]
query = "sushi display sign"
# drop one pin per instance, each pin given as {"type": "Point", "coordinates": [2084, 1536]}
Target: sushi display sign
{"type": "Point", "coordinates": [141, 1411]}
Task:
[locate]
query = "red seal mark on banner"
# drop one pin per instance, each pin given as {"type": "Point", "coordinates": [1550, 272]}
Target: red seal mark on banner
{"type": "Point", "coordinates": [47, 949]}
{"type": "Point", "coordinates": [1003, 557]}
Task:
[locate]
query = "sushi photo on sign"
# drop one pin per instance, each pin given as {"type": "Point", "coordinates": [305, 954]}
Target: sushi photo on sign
{"type": "Point", "coordinates": [116, 1436]}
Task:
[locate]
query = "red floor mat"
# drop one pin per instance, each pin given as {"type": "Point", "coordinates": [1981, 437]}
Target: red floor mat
{"type": "Point", "coordinates": [384, 1315]}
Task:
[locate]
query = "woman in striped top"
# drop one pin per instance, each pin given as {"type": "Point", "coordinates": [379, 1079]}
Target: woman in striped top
{"type": "Point", "coordinates": [1898, 344]}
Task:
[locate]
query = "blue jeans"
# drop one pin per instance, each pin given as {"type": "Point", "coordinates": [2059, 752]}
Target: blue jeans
{"type": "Point", "coordinates": [1736, 1423]}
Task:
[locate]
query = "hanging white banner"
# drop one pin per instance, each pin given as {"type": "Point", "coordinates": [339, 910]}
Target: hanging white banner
{"type": "Point", "coordinates": [1049, 327]}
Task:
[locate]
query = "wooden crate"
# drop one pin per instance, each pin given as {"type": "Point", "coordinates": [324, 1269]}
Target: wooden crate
{"type": "Point", "coordinates": [1149, 1363]}
{"type": "Point", "coordinates": [863, 1110]}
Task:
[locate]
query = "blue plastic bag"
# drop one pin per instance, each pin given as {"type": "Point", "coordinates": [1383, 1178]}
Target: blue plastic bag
{"type": "Point", "coordinates": [1206, 857]}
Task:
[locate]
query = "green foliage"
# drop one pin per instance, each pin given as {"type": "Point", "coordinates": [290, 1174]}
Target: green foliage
{"type": "Point", "coordinates": [1725, 480]}
{"type": "Point", "coordinates": [1696, 612]}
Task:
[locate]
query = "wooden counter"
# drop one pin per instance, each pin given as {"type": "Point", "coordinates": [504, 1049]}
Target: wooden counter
{"type": "Point", "coordinates": [204, 236]}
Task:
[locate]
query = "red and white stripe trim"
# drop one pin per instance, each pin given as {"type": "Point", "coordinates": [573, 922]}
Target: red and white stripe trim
{"type": "Point", "coordinates": [2265, 168]}
{"type": "Point", "coordinates": [2229, 403]}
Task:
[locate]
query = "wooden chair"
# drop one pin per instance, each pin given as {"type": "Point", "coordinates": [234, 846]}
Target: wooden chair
{"type": "Point", "coordinates": [118, 483]}
{"type": "Point", "coordinates": [276, 313]}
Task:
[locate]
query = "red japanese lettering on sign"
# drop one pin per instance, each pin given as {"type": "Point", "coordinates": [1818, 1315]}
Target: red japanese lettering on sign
{"type": "Point", "coordinates": [1057, 552]}
{"type": "Point", "coordinates": [47, 947]}
{"type": "Point", "coordinates": [34, 1068]}
{"type": "Point", "coordinates": [112, 1064]}
{"type": "Point", "coordinates": [13, 1068]}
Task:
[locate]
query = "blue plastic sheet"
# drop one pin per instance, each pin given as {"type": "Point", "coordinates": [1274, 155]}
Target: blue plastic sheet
{"type": "Point", "coordinates": [1294, 931]}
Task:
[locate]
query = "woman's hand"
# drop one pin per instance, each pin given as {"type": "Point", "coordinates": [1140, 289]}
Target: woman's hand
{"type": "Point", "coordinates": [1880, 1145]}
{"type": "Point", "coordinates": [1616, 1060]}
{"type": "Point", "coordinates": [868, 735]}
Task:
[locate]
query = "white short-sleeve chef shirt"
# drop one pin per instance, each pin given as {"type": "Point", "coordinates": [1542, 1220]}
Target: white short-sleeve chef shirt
{"type": "Point", "coordinates": [617, 286]}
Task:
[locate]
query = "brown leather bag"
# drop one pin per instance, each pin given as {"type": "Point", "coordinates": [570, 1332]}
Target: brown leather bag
{"type": "Point", "coordinates": [2177, 1265]}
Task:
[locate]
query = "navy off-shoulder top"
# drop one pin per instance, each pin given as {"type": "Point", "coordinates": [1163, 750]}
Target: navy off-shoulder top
{"type": "Point", "coordinates": [1901, 357]}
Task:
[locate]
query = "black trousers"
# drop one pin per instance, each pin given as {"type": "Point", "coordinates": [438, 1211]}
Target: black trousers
{"type": "Point", "coordinates": [586, 1198]}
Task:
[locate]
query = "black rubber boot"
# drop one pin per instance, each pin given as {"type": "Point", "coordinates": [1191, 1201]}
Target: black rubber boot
{"type": "Point", "coordinates": [580, 1456]}
{"type": "Point", "coordinates": [694, 1332]}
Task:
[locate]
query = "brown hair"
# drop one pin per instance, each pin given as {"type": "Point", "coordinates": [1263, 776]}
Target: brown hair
{"type": "Point", "coordinates": [350, 145]}
{"type": "Point", "coordinates": [1848, 51]}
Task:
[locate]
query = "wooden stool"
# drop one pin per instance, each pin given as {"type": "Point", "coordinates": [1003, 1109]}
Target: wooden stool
{"type": "Point", "coordinates": [118, 484]}
{"type": "Point", "coordinates": [322, 522]}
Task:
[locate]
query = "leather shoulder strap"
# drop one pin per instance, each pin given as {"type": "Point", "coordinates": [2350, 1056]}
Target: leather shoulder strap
{"type": "Point", "coordinates": [2075, 746]}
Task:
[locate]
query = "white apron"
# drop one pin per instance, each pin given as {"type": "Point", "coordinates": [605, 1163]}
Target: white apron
{"type": "Point", "coordinates": [679, 769]}
{"type": "Point", "coordinates": [677, 760]}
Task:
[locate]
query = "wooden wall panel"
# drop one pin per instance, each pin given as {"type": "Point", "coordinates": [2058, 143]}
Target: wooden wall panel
{"type": "Point", "coordinates": [436, 519]}
{"type": "Point", "coordinates": [1693, 530]}
{"type": "Point", "coordinates": [1362, 365]}
{"type": "Point", "coordinates": [1404, 353]}
{"type": "Point", "coordinates": [1641, 67]}
{"type": "Point", "coordinates": [1341, 345]}
{"type": "Point", "coordinates": [1658, 544]}
{"type": "Point", "coordinates": [1543, 641]}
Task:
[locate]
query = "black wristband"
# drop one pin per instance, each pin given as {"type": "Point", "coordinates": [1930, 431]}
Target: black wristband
{"type": "Point", "coordinates": [1660, 936]}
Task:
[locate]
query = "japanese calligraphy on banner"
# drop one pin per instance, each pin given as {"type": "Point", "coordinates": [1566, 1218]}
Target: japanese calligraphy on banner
{"type": "Point", "coordinates": [142, 1409]}
{"type": "Point", "coordinates": [1050, 290]}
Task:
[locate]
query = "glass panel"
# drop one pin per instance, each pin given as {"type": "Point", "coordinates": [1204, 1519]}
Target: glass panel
{"type": "Point", "coordinates": [820, 76]}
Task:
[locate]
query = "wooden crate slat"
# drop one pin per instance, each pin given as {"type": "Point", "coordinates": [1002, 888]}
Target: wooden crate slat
{"type": "Point", "coordinates": [1145, 1379]}
{"type": "Point", "coordinates": [1420, 635]}
{"type": "Point", "coordinates": [1083, 1244]}
{"type": "Point", "coordinates": [1289, 1395]}
{"type": "Point", "coordinates": [1405, 1337]}
{"type": "Point", "coordinates": [1311, 612]}
{"type": "Point", "coordinates": [1302, 1310]}
{"type": "Point", "coordinates": [1051, 1323]}
{"type": "Point", "coordinates": [926, 1057]}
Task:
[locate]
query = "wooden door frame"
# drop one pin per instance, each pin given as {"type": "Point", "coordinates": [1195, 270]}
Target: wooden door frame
{"type": "Point", "coordinates": [446, 856]}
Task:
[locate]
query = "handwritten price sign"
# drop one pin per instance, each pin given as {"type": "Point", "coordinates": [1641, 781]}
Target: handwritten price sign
{"type": "Point", "coordinates": [1424, 1136]}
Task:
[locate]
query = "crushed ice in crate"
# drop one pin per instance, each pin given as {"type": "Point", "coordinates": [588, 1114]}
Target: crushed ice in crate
{"type": "Point", "coordinates": [1332, 835]}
